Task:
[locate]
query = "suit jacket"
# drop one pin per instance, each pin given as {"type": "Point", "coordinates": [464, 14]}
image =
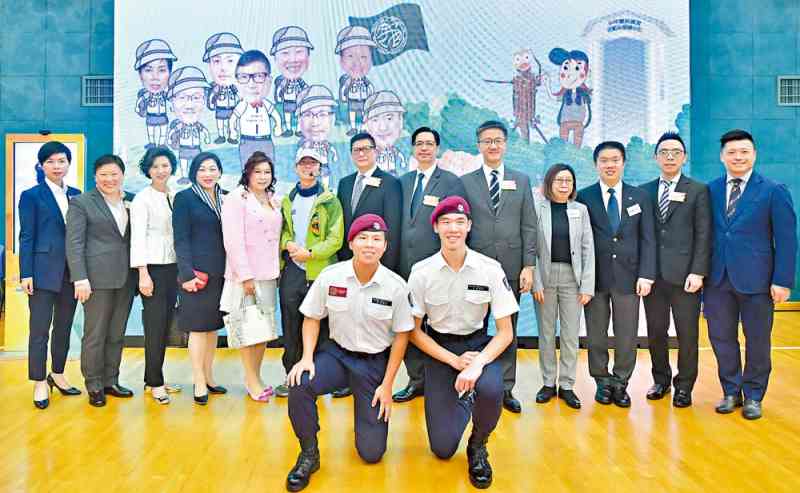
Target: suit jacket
{"type": "Point", "coordinates": [199, 242]}
{"type": "Point", "coordinates": [385, 200]}
{"type": "Point", "coordinates": [418, 240]}
{"type": "Point", "coordinates": [757, 246]}
{"type": "Point", "coordinates": [95, 248]}
{"type": "Point", "coordinates": [581, 245]}
{"type": "Point", "coordinates": [42, 233]}
{"type": "Point", "coordinates": [684, 239]}
{"type": "Point", "coordinates": [621, 258]}
{"type": "Point", "coordinates": [510, 236]}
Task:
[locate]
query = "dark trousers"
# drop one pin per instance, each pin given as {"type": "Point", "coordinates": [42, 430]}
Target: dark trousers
{"type": "Point", "coordinates": [447, 415]}
{"type": "Point", "coordinates": [686, 311]}
{"type": "Point", "coordinates": [46, 308]}
{"type": "Point", "coordinates": [293, 288]}
{"type": "Point", "coordinates": [105, 317]}
{"type": "Point", "coordinates": [508, 358]}
{"type": "Point", "coordinates": [157, 318]}
{"type": "Point", "coordinates": [336, 368]}
{"type": "Point", "coordinates": [724, 307]}
{"type": "Point", "coordinates": [626, 324]}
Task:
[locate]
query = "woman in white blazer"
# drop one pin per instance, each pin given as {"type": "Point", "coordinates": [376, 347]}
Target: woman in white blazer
{"type": "Point", "coordinates": [563, 280]}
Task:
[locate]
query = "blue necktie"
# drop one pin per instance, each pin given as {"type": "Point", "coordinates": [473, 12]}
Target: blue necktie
{"type": "Point", "coordinates": [416, 198]}
{"type": "Point", "coordinates": [613, 210]}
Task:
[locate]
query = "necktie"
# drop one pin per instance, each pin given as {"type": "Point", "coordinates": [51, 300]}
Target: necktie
{"type": "Point", "coordinates": [357, 189]}
{"type": "Point", "coordinates": [663, 201]}
{"type": "Point", "coordinates": [736, 193]}
{"type": "Point", "coordinates": [416, 198]}
{"type": "Point", "coordinates": [494, 190]}
{"type": "Point", "coordinates": [613, 210]}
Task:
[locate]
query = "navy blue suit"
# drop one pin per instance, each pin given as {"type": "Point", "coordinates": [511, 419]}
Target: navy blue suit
{"type": "Point", "coordinates": [42, 257]}
{"type": "Point", "coordinates": [753, 249]}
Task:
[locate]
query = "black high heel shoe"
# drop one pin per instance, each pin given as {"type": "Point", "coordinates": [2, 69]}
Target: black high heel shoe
{"type": "Point", "coordinates": [69, 391]}
{"type": "Point", "coordinates": [217, 389]}
{"type": "Point", "coordinates": [200, 399]}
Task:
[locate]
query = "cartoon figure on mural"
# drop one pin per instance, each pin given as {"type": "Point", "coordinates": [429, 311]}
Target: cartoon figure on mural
{"type": "Point", "coordinates": [187, 93]}
{"type": "Point", "coordinates": [575, 113]}
{"type": "Point", "coordinates": [524, 93]}
{"type": "Point", "coordinates": [383, 114]}
{"type": "Point", "coordinates": [154, 59]}
{"type": "Point", "coordinates": [254, 117]}
{"type": "Point", "coordinates": [315, 110]}
{"type": "Point", "coordinates": [292, 51]}
{"type": "Point", "coordinates": [222, 54]}
{"type": "Point", "coordinates": [354, 46]}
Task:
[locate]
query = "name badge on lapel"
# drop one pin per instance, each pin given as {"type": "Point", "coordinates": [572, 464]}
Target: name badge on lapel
{"type": "Point", "coordinates": [573, 214]}
{"type": "Point", "coordinates": [337, 291]}
{"type": "Point", "coordinates": [508, 185]}
{"type": "Point", "coordinates": [373, 181]}
{"type": "Point", "coordinates": [431, 200]}
{"type": "Point", "coordinates": [677, 196]}
{"type": "Point", "coordinates": [634, 209]}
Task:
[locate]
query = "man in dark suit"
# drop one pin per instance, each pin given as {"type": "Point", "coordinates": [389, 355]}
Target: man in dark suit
{"type": "Point", "coordinates": [370, 190]}
{"type": "Point", "coordinates": [625, 260]}
{"type": "Point", "coordinates": [503, 228]}
{"type": "Point", "coordinates": [683, 239]}
{"type": "Point", "coordinates": [752, 268]}
{"type": "Point", "coordinates": [423, 189]}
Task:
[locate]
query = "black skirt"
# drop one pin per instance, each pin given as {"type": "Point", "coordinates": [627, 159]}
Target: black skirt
{"type": "Point", "coordinates": [199, 311]}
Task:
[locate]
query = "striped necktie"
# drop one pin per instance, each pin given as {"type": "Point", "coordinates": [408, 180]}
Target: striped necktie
{"type": "Point", "coordinates": [736, 194]}
{"type": "Point", "coordinates": [663, 201]}
{"type": "Point", "coordinates": [494, 190]}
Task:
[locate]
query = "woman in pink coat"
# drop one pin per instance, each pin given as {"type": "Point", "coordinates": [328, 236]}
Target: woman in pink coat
{"type": "Point", "coordinates": [251, 227]}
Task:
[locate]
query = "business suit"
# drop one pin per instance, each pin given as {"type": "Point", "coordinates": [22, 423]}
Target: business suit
{"type": "Point", "coordinates": [42, 257]}
{"type": "Point", "coordinates": [385, 200]}
{"type": "Point", "coordinates": [419, 241]}
{"type": "Point", "coordinates": [683, 240]}
{"type": "Point", "coordinates": [97, 251]}
{"type": "Point", "coordinates": [508, 237]}
{"type": "Point", "coordinates": [561, 285]}
{"type": "Point", "coordinates": [753, 249]}
{"type": "Point", "coordinates": [621, 258]}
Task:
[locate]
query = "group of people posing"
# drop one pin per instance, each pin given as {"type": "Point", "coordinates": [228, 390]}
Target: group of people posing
{"type": "Point", "coordinates": [427, 258]}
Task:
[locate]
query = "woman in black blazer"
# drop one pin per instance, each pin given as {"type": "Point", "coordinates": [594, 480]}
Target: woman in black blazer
{"type": "Point", "coordinates": [201, 266]}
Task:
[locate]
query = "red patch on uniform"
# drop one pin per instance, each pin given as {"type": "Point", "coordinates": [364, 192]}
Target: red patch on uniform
{"type": "Point", "coordinates": [337, 291]}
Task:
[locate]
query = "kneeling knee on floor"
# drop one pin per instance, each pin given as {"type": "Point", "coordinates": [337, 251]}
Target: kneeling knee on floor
{"type": "Point", "coordinates": [371, 454]}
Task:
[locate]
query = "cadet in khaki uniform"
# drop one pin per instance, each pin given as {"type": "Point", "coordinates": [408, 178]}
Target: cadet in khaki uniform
{"type": "Point", "coordinates": [463, 377]}
{"type": "Point", "coordinates": [369, 315]}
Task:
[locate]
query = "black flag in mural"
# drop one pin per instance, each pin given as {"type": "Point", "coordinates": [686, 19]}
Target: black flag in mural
{"type": "Point", "coordinates": [395, 31]}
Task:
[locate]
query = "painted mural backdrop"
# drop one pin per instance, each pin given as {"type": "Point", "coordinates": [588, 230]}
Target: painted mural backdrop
{"type": "Point", "coordinates": [563, 75]}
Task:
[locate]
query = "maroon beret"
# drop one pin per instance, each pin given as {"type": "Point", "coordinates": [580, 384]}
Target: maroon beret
{"type": "Point", "coordinates": [450, 205]}
{"type": "Point", "coordinates": [366, 222]}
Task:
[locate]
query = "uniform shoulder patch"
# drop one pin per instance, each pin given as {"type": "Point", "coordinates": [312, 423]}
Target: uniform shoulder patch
{"type": "Point", "coordinates": [506, 283]}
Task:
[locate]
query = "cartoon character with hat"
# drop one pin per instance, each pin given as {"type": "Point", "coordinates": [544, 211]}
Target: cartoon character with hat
{"type": "Point", "coordinates": [187, 93]}
{"type": "Point", "coordinates": [575, 113]}
{"type": "Point", "coordinates": [222, 55]}
{"type": "Point", "coordinates": [154, 59]}
{"type": "Point", "coordinates": [291, 49]}
{"type": "Point", "coordinates": [384, 113]}
{"type": "Point", "coordinates": [354, 46]}
{"type": "Point", "coordinates": [315, 106]}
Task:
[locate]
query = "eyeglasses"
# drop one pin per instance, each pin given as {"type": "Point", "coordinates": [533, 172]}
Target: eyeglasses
{"type": "Point", "coordinates": [186, 98]}
{"type": "Point", "coordinates": [258, 77]}
{"type": "Point", "coordinates": [322, 115]}
{"type": "Point", "coordinates": [488, 142]}
{"type": "Point", "coordinates": [670, 153]}
{"type": "Point", "coordinates": [424, 143]}
{"type": "Point", "coordinates": [364, 149]}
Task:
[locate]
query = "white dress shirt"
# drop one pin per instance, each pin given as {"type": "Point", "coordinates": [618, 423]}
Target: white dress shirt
{"type": "Point", "coordinates": [60, 194]}
{"type": "Point", "coordinates": [151, 228]}
{"type": "Point", "coordinates": [118, 211]}
{"type": "Point", "coordinates": [617, 193]}
{"type": "Point", "coordinates": [729, 185]}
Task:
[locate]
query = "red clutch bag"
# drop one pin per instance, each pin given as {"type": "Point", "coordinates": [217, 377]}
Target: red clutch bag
{"type": "Point", "coordinates": [203, 277]}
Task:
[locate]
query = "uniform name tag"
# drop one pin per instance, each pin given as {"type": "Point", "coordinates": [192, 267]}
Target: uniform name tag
{"type": "Point", "coordinates": [573, 214]}
{"type": "Point", "coordinates": [677, 196]}
{"type": "Point", "coordinates": [634, 209]}
{"type": "Point", "coordinates": [477, 287]}
{"type": "Point", "coordinates": [373, 181]}
{"type": "Point", "coordinates": [381, 302]}
{"type": "Point", "coordinates": [337, 291]}
{"type": "Point", "coordinates": [508, 185]}
{"type": "Point", "coordinates": [431, 200]}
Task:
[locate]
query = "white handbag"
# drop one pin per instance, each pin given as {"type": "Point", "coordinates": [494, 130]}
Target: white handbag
{"type": "Point", "coordinates": [249, 324]}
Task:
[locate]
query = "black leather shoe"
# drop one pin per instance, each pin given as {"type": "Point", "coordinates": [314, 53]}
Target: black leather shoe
{"type": "Point", "coordinates": [603, 395]}
{"type": "Point", "coordinates": [306, 465]}
{"type": "Point", "coordinates": [621, 397]}
{"type": "Point", "coordinates": [118, 391]}
{"type": "Point", "coordinates": [657, 392]}
{"type": "Point", "coordinates": [752, 409]}
{"type": "Point", "coordinates": [343, 392]}
{"type": "Point", "coordinates": [216, 389]}
{"type": "Point", "coordinates": [569, 397]}
{"type": "Point", "coordinates": [480, 471]}
{"type": "Point", "coordinates": [682, 398]}
{"type": "Point", "coordinates": [729, 403]}
{"type": "Point", "coordinates": [408, 393]}
{"type": "Point", "coordinates": [69, 391]}
{"type": "Point", "coordinates": [511, 403]}
{"type": "Point", "coordinates": [97, 398]}
{"type": "Point", "coordinates": [545, 394]}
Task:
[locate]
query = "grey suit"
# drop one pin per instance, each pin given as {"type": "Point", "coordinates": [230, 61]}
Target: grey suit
{"type": "Point", "coordinates": [98, 252]}
{"type": "Point", "coordinates": [508, 237]}
{"type": "Point", "coordinates": [418, 241]}
{"type": "Point", "coordinates": [561, 284]}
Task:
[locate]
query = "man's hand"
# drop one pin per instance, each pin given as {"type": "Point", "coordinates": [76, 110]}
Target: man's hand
{"type": "Point", "coordinates": [693, 283]}
{"type": "Point", "coordinates": [82, 291]}
{"type": "Point", "coordinates": [779, 294]}
{"type": "Point", "coordinates": [584, 299]}
{"type": "Point", "coordinates": [643, 287]}
{"type": "Point", "coordinates": [190, 286]}
{"type": "Point", "coordinates": [463, 361]}
{"type": "Point", "coordinates": [27, 285]}
{"type": "Point", "coordinates": [383, 395]}
{"type": "Point", "coordinates": [300, 255]}
{"type": "Point", "coordinates": [525, 279]}
{"type": "Point", "coordinates": [296, 373]}
{"type": "Point", "coordinates": [465, 381]}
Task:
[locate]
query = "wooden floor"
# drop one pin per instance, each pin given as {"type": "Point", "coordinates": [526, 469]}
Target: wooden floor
{"type": "Point", "coordinates": [235, 445]}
